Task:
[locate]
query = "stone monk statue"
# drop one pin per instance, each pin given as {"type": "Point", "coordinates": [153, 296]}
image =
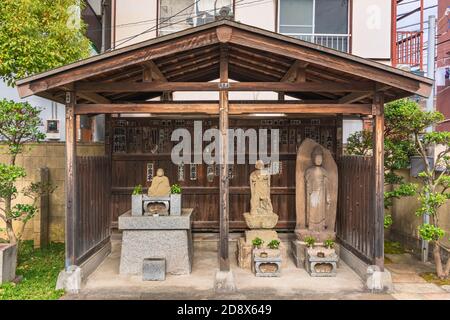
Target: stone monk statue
{"type": "Point", "coordinates": [260, 202]}
{"type": "Point", "coordinates": [318, 198]}
{"type": "Point", "coordinates": [316, 182]}
{"type": "Point", "coordinates": [160, 186]}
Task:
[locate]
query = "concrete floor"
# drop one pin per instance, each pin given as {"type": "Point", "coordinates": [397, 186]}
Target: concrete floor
{"type": "Point", "coordinates": [106, 283]}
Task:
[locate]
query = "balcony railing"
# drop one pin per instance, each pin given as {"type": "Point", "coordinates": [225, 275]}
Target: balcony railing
{"type": "Point", "coordinates": [409, 49]}
{"type": "Point", "coordinates": [339, 42]}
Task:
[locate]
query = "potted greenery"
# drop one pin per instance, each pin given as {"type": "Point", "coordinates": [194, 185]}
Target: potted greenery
{"type": "Point", "coordinates": [310, 241]}
{"type": "Point", "coordinates": [257, 243]}
{"type": "Point", "coordinates": [175, 200]}
{"type": "Point", "coordinates": [274, 244]}
{"type": "Point", "coordinates": [329, 243]}
{"type": "Point", "coordinates": [136, 201]}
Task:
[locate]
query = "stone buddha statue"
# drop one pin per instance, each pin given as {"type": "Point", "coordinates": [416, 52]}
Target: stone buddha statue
{"type": "Point", "coordinates": [318, 198]}
{"type": "Point", "coordinates": [316, 192]}
{"type": "Point", "coordinates": [160, 186]}
{"type": "Point", "coordinates": [261, 215]}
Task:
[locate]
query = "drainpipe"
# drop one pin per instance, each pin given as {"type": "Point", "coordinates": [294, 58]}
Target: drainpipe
{"type": "Point", "coordinates": [431, 54]}
{"type": "Point", "coordinates": [104, 5]}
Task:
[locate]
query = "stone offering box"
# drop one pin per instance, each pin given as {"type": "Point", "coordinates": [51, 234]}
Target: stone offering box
{"type": "Point", "coordinates": [156, 237]}
{"type": "Point", "coordinates": [321, 262]}
{"type": "Point", "coordinates": [171, 204]}
{"type": "Point", "coordinates": [299, 249]}
{"type": "Point", "coordinates": [267, 262]}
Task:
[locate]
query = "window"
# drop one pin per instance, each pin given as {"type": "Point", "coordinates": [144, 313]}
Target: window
{"type": "Point", "coordinates": [176, 15]}
{"type": "Point", "coordinates": [324, 22]}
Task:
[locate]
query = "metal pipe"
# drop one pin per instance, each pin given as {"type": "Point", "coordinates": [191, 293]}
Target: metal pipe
{"type": "Point", "coordinates": [431, 52]}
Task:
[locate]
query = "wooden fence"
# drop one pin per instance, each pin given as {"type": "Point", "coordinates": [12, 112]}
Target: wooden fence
{"type": "Point", "coordinates": [355, 217]}
{"type": "Point", "coordinates": [93, 217]}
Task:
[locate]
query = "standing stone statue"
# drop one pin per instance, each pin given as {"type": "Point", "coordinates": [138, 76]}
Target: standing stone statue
{"type": "Point", "coordinates": [260, 202]}
{"type": "Point", "coordinates": [261, 214]}
{"type": "Point", "coordinates": [160, 186]}
{"type": "Point", "coordinates": [316, 192]}
{"type": "Point", "coordinates": [318, 198]}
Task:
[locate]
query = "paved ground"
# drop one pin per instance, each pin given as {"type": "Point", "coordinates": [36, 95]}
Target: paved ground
{"type": "Point", "coordinates": [106, 283]}
{"type": "Point", "coordinates": [408, 285]}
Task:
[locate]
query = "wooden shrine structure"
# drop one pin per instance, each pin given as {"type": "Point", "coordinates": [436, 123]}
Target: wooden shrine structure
{"type": "Point", "coordinates": [316, 88]}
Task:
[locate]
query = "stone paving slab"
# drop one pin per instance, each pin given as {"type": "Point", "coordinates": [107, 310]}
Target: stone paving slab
{"type": "Point", "coordinates": [420, 288]}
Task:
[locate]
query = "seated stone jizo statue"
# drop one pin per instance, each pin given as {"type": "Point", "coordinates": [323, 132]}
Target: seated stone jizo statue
{"type": "Point", "coordinates": [160, 186]}
{"type": "Point", "coordinates": [261, 215]}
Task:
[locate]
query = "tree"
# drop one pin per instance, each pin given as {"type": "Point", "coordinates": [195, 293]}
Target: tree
{"type": "Point", "coordinates": [398, 149]}
{"type": "Point", "coordinates": [19, 124]}
{"type": "Point", "coordinates": [37, 35]}
{"type": "Point", "coordinates": [435, 177]}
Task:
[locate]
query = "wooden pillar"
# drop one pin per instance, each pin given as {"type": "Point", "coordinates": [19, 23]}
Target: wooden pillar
{"type": "Point", "coordinates": [339, 136]}
{"type": "Point", "coordinates": [71, 187]}
{"type": "Point", "coordinates": [224, 260]}
{"type": "Point", "coordinates": [378, 177]}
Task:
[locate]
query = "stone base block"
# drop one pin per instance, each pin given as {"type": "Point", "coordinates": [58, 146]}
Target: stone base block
{"type": "Point", "coordinates": [261, 221]}
{"type": "Point", "coordinates": [245, 247]}
{"type": "Point", "coordinates": [318, 236]}
{"type": "Point", "coordinates": [69, 280]}
{"type": "Point", "coordinates": [378, 281]}
{"type": "Point", "coordinates": [8, 261]}
{"type": "Point", "coordinates": [154, 269]}
{"type": "Point", "coordinates": [173, 245]}
{"type": "Point", "coordinates": [244, 254]}
{"type": "Point", "coordinates": [224, 282]}
{"type": "Point", "coordinates": [298, 253]}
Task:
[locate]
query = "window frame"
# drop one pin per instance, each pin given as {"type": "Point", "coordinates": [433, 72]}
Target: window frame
{"type": "Point", "coordinates": [313, 33]}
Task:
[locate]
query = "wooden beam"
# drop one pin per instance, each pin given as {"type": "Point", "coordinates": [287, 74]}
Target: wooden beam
{"type": "Point", "coordinates": [325, 58]}
{"type": "Point", "coordinates": [234, 108]}
{"type": "Point", "coordinates": [357, 96]}
{"type": "Point", "coordinates": [224, 190]}
{"type": "Point", "coordinates": [71, 175]}
{"type": "Point", "coordinates": [158, 86]}
{"type": "Point", "coordinates": [378, 178]}
{"type": "Point", "coordinates": [289, 108]}
{"type": "Point", "coordinates": [291, 74]}
{"type": "Point", "coordinates": [155, 72]}
{"type": "Point", "coordinates": [93, 97]}
{"type": "Point", "coordinates": [115, 60]}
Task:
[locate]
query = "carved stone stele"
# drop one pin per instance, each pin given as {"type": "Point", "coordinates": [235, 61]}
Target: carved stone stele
{"type": "Point", "coordinates": [316, 192]}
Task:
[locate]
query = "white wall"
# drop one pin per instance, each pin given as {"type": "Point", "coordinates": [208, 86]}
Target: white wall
{"type": "Point", "coordinates": [132, 18]}
{"type": "Point", "coordinates": [261, 15]}
{"type": "Point", "coordinates": [46, 106]}
{"type": "Point", "coordinates": [371, 29]}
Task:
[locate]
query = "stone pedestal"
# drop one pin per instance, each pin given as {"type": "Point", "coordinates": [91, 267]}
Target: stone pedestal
{"type": "Point", "coordinates": [245, 247]}
{"type": "Point", "coordinates": [167, 237]}
{"type": "Point", "coordinates": [261, 221]}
